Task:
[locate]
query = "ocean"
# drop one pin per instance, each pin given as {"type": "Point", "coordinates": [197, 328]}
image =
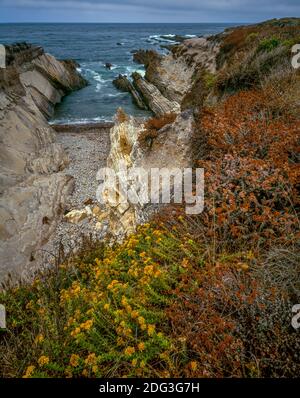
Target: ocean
{"type": "Point", "coordinates": [93, 45]}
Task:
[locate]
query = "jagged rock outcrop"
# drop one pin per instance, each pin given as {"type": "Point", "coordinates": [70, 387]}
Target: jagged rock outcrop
{"type": "Point", "coordinates": [169, 78]}
{"type": "Point", "coordinates": [171, 84]}
{"type": "Point", "coordinates": [124, 84]}
{"type": "Point", "coordinates": [33, 189]}
{"type": "Point", "coordinates": [171, 149]}
{"type": "Point", "coordinates": [146, 57]}
{"type": "Point", "coordinates": [153, 97]}
{"type": "Point", "coordinates": [173, 75]}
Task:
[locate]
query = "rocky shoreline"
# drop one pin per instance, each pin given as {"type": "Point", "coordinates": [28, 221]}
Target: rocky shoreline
{"type": "Point", "coordinates": [87, 147]}
{"type": "Point", "coordinates": [59, 167]}
{"type": "Point", "coordinates": [49, 171]}
{"type": "Point", "coordinates": [170, 78]}
{"type": "Point", "coordinates": [33, 187]}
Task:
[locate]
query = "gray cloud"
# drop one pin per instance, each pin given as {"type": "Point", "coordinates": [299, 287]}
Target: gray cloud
{"type": "Point", "coordinates": [146, 10]}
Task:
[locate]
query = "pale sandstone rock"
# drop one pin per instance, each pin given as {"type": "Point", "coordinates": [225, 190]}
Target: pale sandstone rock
{"type": "Point", "coordinates": [33, 190]}
{"type": "Point", "coordinates": [75, 216]}
{"type": "Point", "coordinates": [153, 97]}
{"type": "Point", "coordinates": [172, 149]}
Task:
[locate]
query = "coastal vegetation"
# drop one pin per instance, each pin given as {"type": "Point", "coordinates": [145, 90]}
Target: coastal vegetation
{"type": "Point", "coordinates": [189, 296]}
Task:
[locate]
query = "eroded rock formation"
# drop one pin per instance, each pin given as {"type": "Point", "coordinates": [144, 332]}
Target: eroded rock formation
{"type": "Point", "coordinates": [171, 149]}
{"type": "Point", "coordinates": [33, 189]}
{"type": "Point", "coordinates": [171, 77]}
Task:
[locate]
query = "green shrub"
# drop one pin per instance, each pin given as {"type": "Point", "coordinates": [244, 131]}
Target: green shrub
{"type": "Point", "coordinates": [269, 44]}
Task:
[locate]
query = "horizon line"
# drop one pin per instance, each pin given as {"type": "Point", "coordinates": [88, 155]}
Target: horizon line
{"type": "Point", "coordinates": [131, 23]}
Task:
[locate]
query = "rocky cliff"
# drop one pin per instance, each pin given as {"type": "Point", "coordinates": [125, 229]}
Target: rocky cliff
{"type": "Point", "coordinates": [164, 90]}
{"type": "Point", "coordinates": [169, 78]}
{"type": "Point", "coordinates": [172, 148]}
{"type": "Point", "coordinates": [33, 189]}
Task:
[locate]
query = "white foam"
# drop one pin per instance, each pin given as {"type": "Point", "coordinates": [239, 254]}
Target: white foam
{"type": "Point", "coordinates": [113, 95]}
{"type": "Point", "coordinates": [160, 39]}
{"type": "Point", "coordinates": [132, 69]}
{"type": "Point", "coordinates": [80, 121]}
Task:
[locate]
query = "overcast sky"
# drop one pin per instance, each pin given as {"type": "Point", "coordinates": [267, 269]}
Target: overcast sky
{"type": "Point", "coordinates": [146, 10]}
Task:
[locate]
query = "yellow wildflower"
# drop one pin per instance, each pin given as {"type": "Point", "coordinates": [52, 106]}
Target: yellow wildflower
{"type": "Point", "coordinates": [143, 254]}
{"type": "Point", "coordinates": [134, 314]}
{"type": "Point", "coordinates": [157, 273]}
{"type": "Point", "coordinates": [95, 369]}
{"type": "Point", "coordinates": [129, 351]}
{"type": "Point", "coordinates": [97, 261]}
{"type": "Point", "coordinates": [151, 329]}
{"type": "Point", "coordinates": [29, 372]}
{"type": "Point", "coordinates": [185, 263]}
{"type": "Point", "coordinates": [143, 326]}
{"type": "Point", "coordinates": [124, 301]}
{"type": "Point", "coordinates": [149, 270]}
{"type": "Point", "coordinates": [193, 365]}
{"type": "Point", "coordinates": [91, 359]}
{"type": "Point", "coordinates": [112, 284]}
{"type": "Point", "coordinates": [141, 320]}
{"type": "Point", "coordinates": [43, 360]}
{"type": "Point", "coordinates": [134, 362]}
{"type": "Point", "coordinates": [128, 308]}
{"type": "Point", "coordinates": [39, 339]}
{"type": "Point", "coordinates": [75, 332]}
{"type": "Point", "coordinates": [87, 325]}
{"type": "Point", "coordinates": [106, 306]}
{"type": "Point", "coordinates": [141, 346]}
{"type": "Point", "coordinates": [85, 373]}
{"type": "Point", "coordinates": [142, 364]}
{"type": "Point", "coordinates": [74, 360]}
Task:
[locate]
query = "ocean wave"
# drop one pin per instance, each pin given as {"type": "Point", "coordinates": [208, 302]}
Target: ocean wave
{"type": "Point", "coordinates": [168, 38]}
{"type": "Point", "coordinates": [132, 69]}
{"type": "Point", "coordinates": [161, 39]}
{"type": "Point", "coordinates": [80, 121]}
{"type": "Point", "coordinates": [95, 76]}
{"type": "Point", "coordinates": [114, 95]}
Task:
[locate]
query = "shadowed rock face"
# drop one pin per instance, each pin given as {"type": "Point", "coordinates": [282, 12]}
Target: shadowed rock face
{"type": "Point", "coordinates": [158, 103]}
{"type": "Point", "coordinates": [169, 78]}
{"type": "Point", "coordinates": [32, 187]}
{"type": "Point", "coordinates": [124, 84]}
